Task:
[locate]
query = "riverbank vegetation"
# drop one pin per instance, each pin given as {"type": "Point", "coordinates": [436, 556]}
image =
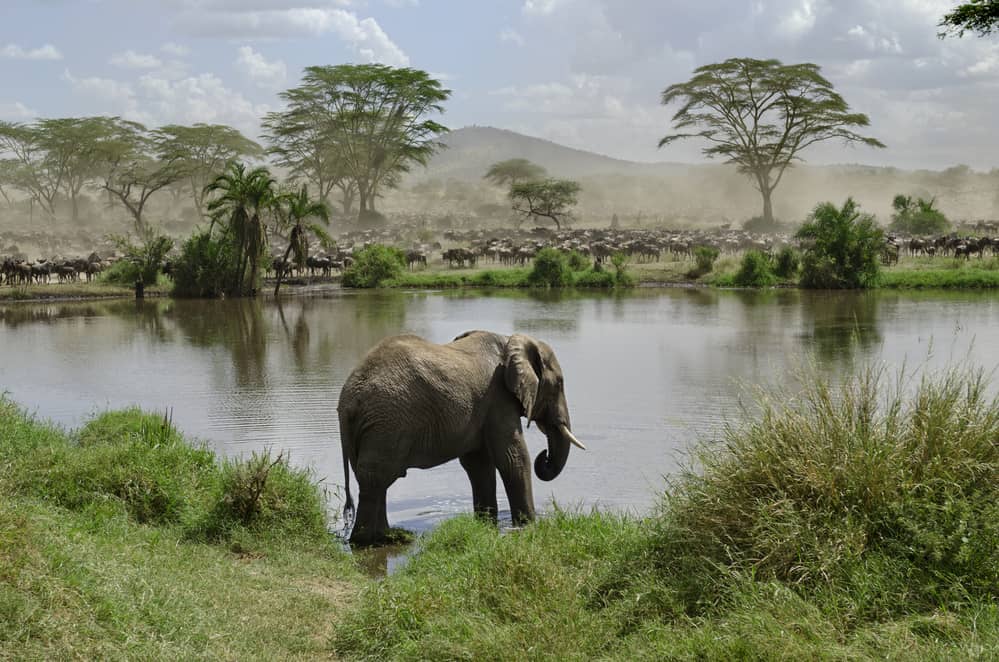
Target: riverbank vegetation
{"type": "Point", "coordinates": [123, 541]}
{"type": "Point", "coordinates": [858, 522]}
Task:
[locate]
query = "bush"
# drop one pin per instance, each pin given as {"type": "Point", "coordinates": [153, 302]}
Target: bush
{"type": "Point", "coordinates": [141, 261]}
{"type": "Point", "coordinates": [760, 225]}
{"type": "Point", "coordinates": [756, 270]}
{"type": "Point", "coordinates": [787, 263]}
{"type": "Point", "coordinates": [844, 248]}
{"type": "Point", "coordinates": [578, 261]}
{"type": "Point", "coordinates": [551, 269]}
{"type": "Point", "coordinates": [206, 268]}
{"type": "Point", "coordinates": [916, 216]}
{"type": "Point", "coordinates": [264, 494]}
{"type": "Point", "coordinates": [705, 257]}
{"type": "Point", "coordinates": [374, 264]}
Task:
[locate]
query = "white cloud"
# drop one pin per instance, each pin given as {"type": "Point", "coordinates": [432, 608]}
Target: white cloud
{"type": "Point", "coordinates": [543, 7]}
{"type": "Point", "coordinates": [16, 111]}
{"type": "Point", "coordinates": [399, 4]}
{"type": "Point", "coordinates": [511, 36]}
{"type": "Point", "coordinates": [132, 60]}
{"type": "Point", "coordinates": [259, 69]}
{"type": "Point", "coordinates": [175, 49]}
{"type": "Point", "coordinates": [46, 52]}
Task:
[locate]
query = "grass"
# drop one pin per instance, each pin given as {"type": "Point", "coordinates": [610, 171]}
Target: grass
{"type": "Point", "coordinates": [105, 552]}
{"type": "Point", "coordinates": [94, 290]}
{"type": "Point", "coordinates": [506, 278]}
{"type": "Point", "coordinates": [852, 523]}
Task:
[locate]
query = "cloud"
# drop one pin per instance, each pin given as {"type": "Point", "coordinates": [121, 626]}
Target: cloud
{"type": "Point", "coordinates": [263, 73]}
{"type": "Point", "coordinates": [509, 35]}
{"type": "Point", "coordinates": [46, 52]}
{"type": "Point", "coordinates": [175, 49]}
{"type": "Point", "coordinates": [16, 111]}
{"type": "Point", "coordinates": [155, 100]}
{"type": "Point", "coordinates": [132, 60]}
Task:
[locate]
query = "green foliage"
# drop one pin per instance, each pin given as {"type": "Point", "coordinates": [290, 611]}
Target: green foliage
{"type": "Point", "coordinates": [732, 103]}
{"type": "Point", "coordinates": [964, 278]}
{"type": "Point", "coordinates": [756, 270]}
{"type": "Point", "coordinates": [373, 265]}
{"type": "Point", "coordinates": [916, 216]}
{"type": "Point", "coordinates": [547, 198]}
{"type": "Point", "coordinates": [206, 268]}
{"type": "Point", "coordinates": [551, 269]}
{"type": "Point", "coordinates": [787, 263]}
{"type": "Point", "coordinates": [140, 261]}
{"type": "Point", "coordinates": [705, 257]}
{"type": "Point", "coordinates": [843, 248]}
{"type": "Point", "coordinates": [978, 16]}
{"type": "Point", "coordinates": [843, 523]}
{"type": "Point", "coordinates": [578, 261]}
{"type": "Point", "coordinates": [338, 112]}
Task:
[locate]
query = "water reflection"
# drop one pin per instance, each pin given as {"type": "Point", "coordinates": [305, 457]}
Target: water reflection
{"type": "Point", "coordinates": [647, 372]}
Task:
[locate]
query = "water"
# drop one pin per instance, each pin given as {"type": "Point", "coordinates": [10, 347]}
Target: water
{"type": "Point", "coordinates": [647, 372]}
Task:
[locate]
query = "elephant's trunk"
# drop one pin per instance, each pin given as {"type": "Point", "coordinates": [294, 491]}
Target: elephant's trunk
{"type": "Point", "coordinates": [549, 464]}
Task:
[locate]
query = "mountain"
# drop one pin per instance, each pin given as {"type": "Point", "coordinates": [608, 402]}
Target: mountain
{"type": "Point", "coordinates": [472, 149]}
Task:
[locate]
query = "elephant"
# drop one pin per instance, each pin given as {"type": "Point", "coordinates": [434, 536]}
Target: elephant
{"type": "Point", "coordinates": [413, 403]}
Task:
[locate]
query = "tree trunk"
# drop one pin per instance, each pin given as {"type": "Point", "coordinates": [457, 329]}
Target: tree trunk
{"type": "Point", "coordinates": [768, 210]}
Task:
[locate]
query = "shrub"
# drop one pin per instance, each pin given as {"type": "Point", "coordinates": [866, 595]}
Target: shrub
{"type": "Point", "coordinates": [592, 278]}
{"type": "Point", "coordinates": [206, 267]}
{"type": "Point", "coordinates": [917, 216]}
{"type": "Point", "coordinates": [705, 257]}
{"type": "Point", "coordinates": [374, 264]}
{"type": "Point", "coordinates": [578, 261]}
{"type": "Point", "coordinates": [551, 269]}
{"type": "Point", "coordinates": [844, 248]}
{"type": "Point", "coordinates": [760, 225]}
{"type": "Point", "coordinates": [264, 494]}
{"type": "Point", "coordinates": [141, 261]}
{"type": "Point", "coordinates": [756, 270]}
{"type": "Point", "coordinates": [787, 263]}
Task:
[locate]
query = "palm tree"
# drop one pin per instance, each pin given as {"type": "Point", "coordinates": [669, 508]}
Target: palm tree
{"type": "Point", "coordinates": [294, 209]}
{"type": "Point", "coordinates": [243, 198]}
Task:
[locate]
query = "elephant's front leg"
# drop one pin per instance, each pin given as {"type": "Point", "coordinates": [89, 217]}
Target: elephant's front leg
{"type": "Point", "coordinates": [482, 474]}
{"type": "Point", "coordinates": [509, 453]}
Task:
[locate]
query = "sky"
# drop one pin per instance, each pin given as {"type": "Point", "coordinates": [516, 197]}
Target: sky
{"type": "Point", "coordinates": [584, 73]}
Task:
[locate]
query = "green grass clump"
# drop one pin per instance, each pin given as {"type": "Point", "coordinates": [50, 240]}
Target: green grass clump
{"type": "Point", "coordinates": [94, 567]}
{"type": "Point", "coordinates": [848, 523]}
{"type": "Point", "coordinates": [488, 278]}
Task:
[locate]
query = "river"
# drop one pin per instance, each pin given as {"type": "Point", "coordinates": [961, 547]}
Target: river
{"type": "Point", "coordinates": [647, 373]}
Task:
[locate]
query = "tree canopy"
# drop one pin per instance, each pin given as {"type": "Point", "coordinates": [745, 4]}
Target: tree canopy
{"type": "Point", "coordinates": [548, 198]}
{"type": "Point", "coordinates": [978, 16]}
{"type": "Point", "coordinates": [513, 171]}
{"type": "Point", "coordinates": [360, 123]}
{"type": "Point", "coordinates": [917, 216]}
{"type": "Point", "coordinates": [760, 115]}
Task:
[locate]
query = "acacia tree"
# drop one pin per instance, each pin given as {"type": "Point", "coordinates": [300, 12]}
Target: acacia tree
{"type": "Point", "coordinates": [201, 152]}
{"type": "Point", "coordinates": [978, 16]}
{"type": "Point", "coordinates": [513, 171]}
{"type": "Point", "coordinates": [364, 122]}
{"type": "Point", "coordinates": [549, 198]}
{"type": "Point", "coordinates": [29, 166]}
{"type": "Point", "coordinates": [760, 115]}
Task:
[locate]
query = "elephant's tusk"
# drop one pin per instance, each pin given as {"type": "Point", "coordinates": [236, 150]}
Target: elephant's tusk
{"type": "Point", "coordinates": [572, 439]}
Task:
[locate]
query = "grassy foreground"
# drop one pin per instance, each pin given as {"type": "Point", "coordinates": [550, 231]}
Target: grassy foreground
{"type": "Point", "coordinates": [853, 523]}
{"type": "Point", "coordinates": [848, 524]}
{"type": "Point", "coordinates": [122, 541]}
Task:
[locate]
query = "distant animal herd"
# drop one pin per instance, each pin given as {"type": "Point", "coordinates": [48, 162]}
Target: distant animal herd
{"type": "Point", "coordinates": [470, 248]}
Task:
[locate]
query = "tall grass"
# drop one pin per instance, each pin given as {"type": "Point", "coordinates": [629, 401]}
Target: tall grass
{"type": "Point", "coordinates": [848, 522]}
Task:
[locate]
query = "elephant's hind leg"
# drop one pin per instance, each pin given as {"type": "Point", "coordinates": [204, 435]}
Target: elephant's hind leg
{"type": "Point", "coordinates": [371, 520]}
{"type": "Point", "coordinates": [482, 474]}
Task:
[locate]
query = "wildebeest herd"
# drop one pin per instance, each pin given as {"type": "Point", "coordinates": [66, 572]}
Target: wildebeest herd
{"type": "Point", "coordinates": [17, 270]}
{"type": "Point", "coordinates": [510, 247]}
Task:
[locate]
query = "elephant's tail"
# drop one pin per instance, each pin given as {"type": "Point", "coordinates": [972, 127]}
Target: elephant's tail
{"type": "Point", "coordinates": [348, 504]}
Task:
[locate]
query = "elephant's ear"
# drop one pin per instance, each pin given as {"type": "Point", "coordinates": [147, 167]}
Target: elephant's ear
{"type": "Point", "coordinates": [523, 368]}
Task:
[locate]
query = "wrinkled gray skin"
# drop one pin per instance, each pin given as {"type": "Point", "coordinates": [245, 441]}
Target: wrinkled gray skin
{"type": "Point", "coordinates": [412, 403]}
